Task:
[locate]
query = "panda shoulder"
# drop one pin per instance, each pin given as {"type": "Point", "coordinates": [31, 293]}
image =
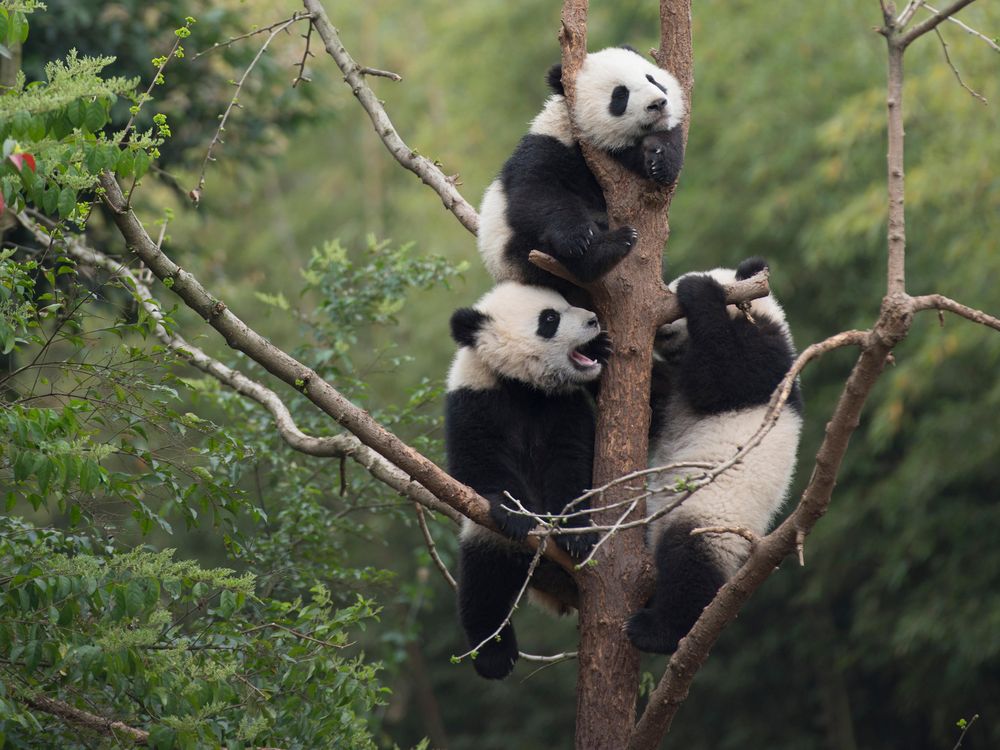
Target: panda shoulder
{"type": "Point", "coordinates": [469, 372]}
{"type": "Point", "coordinates": [553, 121]}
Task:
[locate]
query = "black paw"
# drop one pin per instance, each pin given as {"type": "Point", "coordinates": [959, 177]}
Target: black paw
{"type": "Point", "coordinates": [697, 289]}
{"type": "Point", "coordinates": [577, 545]}
{"type": "Point", "coordinates": [495, 659]}
{"type": "Point", "coordinates": [574, 242]}
{"type": "Point", "coordinates": [511, 525]}
{"type": "Point", "coordinates": [620, 242]}
{"type": "Point", "coordinates": [650, 633]}
{"type": "Point", "coordinates": [656, 163]}
{"type": "Point", "coordinates": [598, 348]}
{"type": "Point", "coordinates": [750, 267]}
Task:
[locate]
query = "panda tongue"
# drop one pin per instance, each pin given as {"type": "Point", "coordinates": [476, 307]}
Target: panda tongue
{"type": "Point", "coordinates": [582, 359]}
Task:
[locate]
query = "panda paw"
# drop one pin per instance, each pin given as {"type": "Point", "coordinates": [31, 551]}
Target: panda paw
{"type": "Point", "coordinates": [657, 164]}
{"type": "Point", "coordinates": [622, 240]}
{"type": "Point", "coordinates": [495, 659]}
{"type": "Point", "coordinates": [650, 633]}
{"type": "Point", "coordinates": [698, 289]}
{"type": "Point", "coordinates": [512, 525]}
{"type": "Point", "coordinates": [577, 545]}
{"type": "Point", "coordinates": [574, 242]}
{"type": "Point", "coordinates": [598, 348]}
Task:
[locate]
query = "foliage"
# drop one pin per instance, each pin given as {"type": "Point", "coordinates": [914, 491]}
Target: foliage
{"type": "Point", "coordinates": [192, 655]}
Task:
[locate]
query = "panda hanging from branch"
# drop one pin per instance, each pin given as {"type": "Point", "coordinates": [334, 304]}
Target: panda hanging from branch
{"type": "Point", "coordinates": [546, 197]}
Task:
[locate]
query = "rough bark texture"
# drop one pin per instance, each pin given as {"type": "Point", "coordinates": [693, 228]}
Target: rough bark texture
{"type": "Point", "coordinates": [631, 302]}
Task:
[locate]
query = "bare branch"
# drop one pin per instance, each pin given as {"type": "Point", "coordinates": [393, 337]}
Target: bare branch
{"type": "Point", "coordinates": [85, 719]}
{"type": "Point", "coordinates": [968, 29]}
{"type": "Point", "coordinates": [554, 659]}
{"type": "Point", "coordinates": [196, 193]}
{"type": "Point", "coordinates": [737, 530]}
{"type": "Point", "coordinates": [332, 447]}
{"type": "Point", "coordinates": [381, 74]}
{"type": "Point", "coordinates": [924, 26]}
{"type": "Point", "coordinates": [432, 548]}
{"type": "Point", "coordinates": [306, 54]}
{"type": "Point", "coordinates": [429, 173]}
{"type": "Point", "coordinates": [958, 76]}
{"type": "Point", "coordinates": [297, 16]}
{"type": "Point", "coordinates": [911, 7]}
{"type": "Point", "coordinates": [241, 337]}
{"type": "Point", "coordinates": [940, 302]}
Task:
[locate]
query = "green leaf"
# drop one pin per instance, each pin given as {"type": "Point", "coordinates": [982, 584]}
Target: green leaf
{"type": "Point", "coordinates": [94, 117]}
{"type": "Point", "coordinates": [135, 597]}
{"type": "Point", "coordinates": [126, 163]}
{"type": "Point", "coordinates": [141, 163]}
{"type": "Point", "coordinates": [75, 111]}
{"type": "Point", "coordinates": [67, 202]}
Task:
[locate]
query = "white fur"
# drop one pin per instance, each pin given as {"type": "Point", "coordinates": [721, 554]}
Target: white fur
{"type": "Point", "coordinates": [748, 494]}
{"type": "Point", "coordinates": [508, 344]}
{"type": "Point", "coordinates": [600, 74]}
{"type": "Point", "coordinates": [494, 234]}
{"type": "Point", "coordinates": [553, 121]}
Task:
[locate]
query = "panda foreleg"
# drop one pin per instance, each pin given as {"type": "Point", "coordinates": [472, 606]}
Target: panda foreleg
{"type": "Point", "coordinates": [687, 579]}
{"type": "Point", "coordinates": [490, 576]}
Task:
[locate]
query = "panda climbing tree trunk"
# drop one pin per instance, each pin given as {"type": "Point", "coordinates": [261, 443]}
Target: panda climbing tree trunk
{"type": "Point", "coordinates": [630, 302]}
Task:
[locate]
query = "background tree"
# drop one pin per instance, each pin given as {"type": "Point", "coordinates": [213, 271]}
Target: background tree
{"type": "Point", "coordinates": [804, 189]}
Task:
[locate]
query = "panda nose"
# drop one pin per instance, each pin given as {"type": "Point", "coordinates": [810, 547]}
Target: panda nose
{"type": "Point", "coordinates": [657, 106]}
{"type": "Point", "coordinates": [592, 323]}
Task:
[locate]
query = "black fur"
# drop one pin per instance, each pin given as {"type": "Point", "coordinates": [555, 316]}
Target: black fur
{"type": "Point", "coordinates": [727, 364]}
{"type": "Point", "coordinates": [555, 205]}
{"type": "Point", "coordinates": [686, 562]}
{"type": "Point", "coordinates": [465, 324]}
{"type": "Point", "coordinates": [548, 323]}
{"type": "Point", "coordinates": [538, 447]}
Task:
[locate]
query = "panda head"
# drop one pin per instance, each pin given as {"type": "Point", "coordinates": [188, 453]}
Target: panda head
{"type": "Point", "coordinates": [621, 97]}
{"type": "Point", "coordinates": [530, 334]}
{"type": "Point", "coordinates": [671, 338]}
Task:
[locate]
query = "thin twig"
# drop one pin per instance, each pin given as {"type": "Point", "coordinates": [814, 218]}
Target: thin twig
{"type": "Point", "coordinates": [958, 76]}
{"type": "Point", "coordinates": [911, 7]}
{"type": "Point", "coordinates": [198, 190]}
{"type": "Point", "coordinates": [520, 595]}
{"type": "Point", "coordinates": [381, 73]}
{"type": "Point", "coordinates": [965, 729]}
{"type": "Point", "coordinates": [968, 29]}
{"type": "Point", "coordinates": [301, 75]}
{"type": "Point", "coordinates": [432, 548]}
{"type": "Point", "coordinates": [297, 16]}
{"type": "Point", "coordinates": [924, 26]}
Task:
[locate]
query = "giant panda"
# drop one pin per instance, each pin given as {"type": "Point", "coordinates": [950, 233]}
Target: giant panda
{"type": "Point", "coordinates": [546, 198]}
{"type": "Point", "coordinates": [518, 417]}
{"type": "Point", "coordinates": [717, 373]}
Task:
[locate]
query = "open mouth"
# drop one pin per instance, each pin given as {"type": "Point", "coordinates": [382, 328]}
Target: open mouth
{"type": "Point", "coordinates": [592, 354]}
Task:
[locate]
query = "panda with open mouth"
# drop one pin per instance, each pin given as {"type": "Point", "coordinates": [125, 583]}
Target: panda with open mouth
{"type": "Point", "coordinates": [519, 418]}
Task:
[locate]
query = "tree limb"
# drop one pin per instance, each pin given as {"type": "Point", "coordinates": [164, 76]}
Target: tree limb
{"type": "Point", "coordinates": [241, 337]}
{"type": "Point", "coordinates": [78, 717]}
{"type": "Point", "coordinates": [923, 27]}
{"type": "Point", "coordinates": [424, 168]}
{"type": "Point", "coordinates": [940, 302]}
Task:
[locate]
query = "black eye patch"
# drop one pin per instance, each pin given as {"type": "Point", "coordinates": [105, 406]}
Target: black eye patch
{"type": "Point", "coordinates": [548, 323]}
{"type": "Point", "coordinates": [619, 101]}
{"type": "Point", "coordinates": [655, 83]}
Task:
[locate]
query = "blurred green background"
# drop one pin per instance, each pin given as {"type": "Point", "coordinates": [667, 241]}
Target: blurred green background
{"type": "Point", "coordinates": [891, 633]}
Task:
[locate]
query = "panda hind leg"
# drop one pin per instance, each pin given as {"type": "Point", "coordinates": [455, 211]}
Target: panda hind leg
{"type": "Point", "coordinates": [490, 576]}
{"type": "Point", "coordinates": [687, 579]}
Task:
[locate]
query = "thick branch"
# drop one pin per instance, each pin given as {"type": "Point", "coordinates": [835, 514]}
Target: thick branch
{"type": "Point", "coordinates": [894, 322]}
{"type": "Point", "coordinates": [333, 447]}
{"type": "Point", "coordinates": [241, 337]}
{"type": "Point", "coordinates": [87, 720]}
{"type": "Point", "coordinates": [923, 27]}
{"type": "Point", "coordinates": [896, 283]}
{"type": "Point", "coordinates": [421, 166]}
{"type": "Point", "coordinates": [940, 302]}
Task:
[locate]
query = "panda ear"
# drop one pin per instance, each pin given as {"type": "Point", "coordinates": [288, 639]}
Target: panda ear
{"type": "Point", "coordinates": [750, 267]}
{"type": "Point", "coordinates": [465, 324]}
{"type": "Point", "coordinates": [554, 78]}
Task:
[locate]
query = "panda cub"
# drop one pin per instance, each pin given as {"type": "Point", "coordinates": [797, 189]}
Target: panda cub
{"type": "Point", "coordinates": [716, 377]}
{"type": "Point", "coordinates": [547, 199]}
{"type": "Point", "coordinates": [518, 418]}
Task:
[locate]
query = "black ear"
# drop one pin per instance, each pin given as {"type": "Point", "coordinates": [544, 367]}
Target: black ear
{"type": "Point", "coordinates": [465, 324]}
{"type": "Point", "coordinates": [750, 267]}
{"type": "Point", "coordinates": [554, 77]}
